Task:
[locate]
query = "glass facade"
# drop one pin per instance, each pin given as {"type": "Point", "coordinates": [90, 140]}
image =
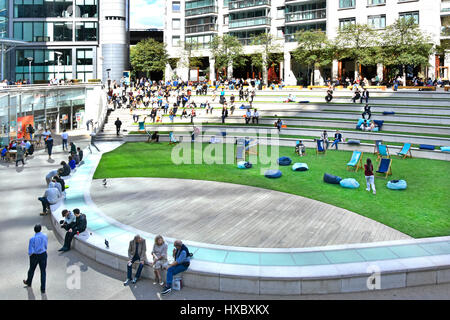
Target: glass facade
{"type": "Point", "coordinates": [56, 109]}
{"type": "Point", "coordinates": [3, 18]}
{"type": "Point", "coordinates": [55, 8]}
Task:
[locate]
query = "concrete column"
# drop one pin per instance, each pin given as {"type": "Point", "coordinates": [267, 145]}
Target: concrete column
{"type": "Point", "coordinates": [289, 77]}
{"type": "Point", "coordinates": [334, 70]}
{"type": "Point", "coordinates": [380, 69]}
{"type": "Point", "coordinates": [432, 68]}
{"type": "Point", "coordinates": [230, 70]}
{"type": "Point", "coordinates": [212, 69]}
{"type": "Point", "coordinates": [318, 79]}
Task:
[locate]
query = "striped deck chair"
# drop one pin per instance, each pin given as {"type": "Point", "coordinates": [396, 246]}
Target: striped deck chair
{"type": "Point", "coordinates": [355, 161]}
{"type": "Point", "coordinates": [319, 147]}
{"type": "Point", "coordinates": [172, 139]}
{"type": "Point", "coordinates": [406, 151]}
{"type": "Point", "coordinates": [383, 151]}
{"type": "Point", "coordinates": [385, 167]}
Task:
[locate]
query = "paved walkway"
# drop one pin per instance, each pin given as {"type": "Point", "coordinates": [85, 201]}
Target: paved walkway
{"type": "Point", "coordinates": [20, 189]}
{"type": "Point", "coordinates": [233, 215]}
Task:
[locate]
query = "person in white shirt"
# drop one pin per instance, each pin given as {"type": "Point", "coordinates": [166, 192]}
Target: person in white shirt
{"type": "Point", "coordinates": [51, 196]}
{"type": "Point", "coordinates": [255, 116]}
{"type": "Point", "coordinates": [46, 134]}
{"type": "Point", "coordinates": [65, 138]}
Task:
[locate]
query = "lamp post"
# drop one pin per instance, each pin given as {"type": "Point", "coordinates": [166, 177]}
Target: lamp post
{"type": "Point", "coordinates": [59, 54]}
{"type": "Point", "coordinates": [109, 80]}
{"type": "Point", "coordinates": [30, 59]}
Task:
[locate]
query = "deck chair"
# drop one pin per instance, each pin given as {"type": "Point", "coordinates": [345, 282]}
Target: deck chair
{"type": "Point", "coordinates": [406, 151]}
{"type": "Point", "coordinates": [172, 139]}
{"type": "Point", "coordinates": [251, 146]}
{"type": "Point", "coordinates": [385, 167]}
{"type": "Point", "coordinates": [142, 126]}
{"type": "Point", "coordinates": [355, 161]}
{"type": "Point", "coordinates": [319, 147]}
{"type": "Point", "coordinates": [383, 151]}
{"type": "Point", "coordinates": [377, 143]}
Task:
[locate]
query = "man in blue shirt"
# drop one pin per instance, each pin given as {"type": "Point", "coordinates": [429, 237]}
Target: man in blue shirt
{"type": "Point", "coordinates": [37, 250]}
{"type": "Point", "coordinates": [182, 261]}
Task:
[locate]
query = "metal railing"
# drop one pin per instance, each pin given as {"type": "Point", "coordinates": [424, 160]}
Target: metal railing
{"type": "Point", "coordinates": [249, 22]}
{"type": "Point", "coordinates": [306, 15]}
{"type": "Point", "coordinates": [201, 28]}
{"type": "Point", "coordinates": [241, 4]}
{"type": "Point", "coordinates": [201, 10]}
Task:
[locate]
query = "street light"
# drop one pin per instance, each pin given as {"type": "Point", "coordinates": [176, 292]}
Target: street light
{"type": "Point", "coordinates": [30, 59]}
{"type": "Point", "coordinates": [59, 54]}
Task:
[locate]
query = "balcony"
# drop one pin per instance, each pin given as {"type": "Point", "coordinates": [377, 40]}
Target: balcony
{"type": "Point", "coordinates": [210, 27]}
{"type": "Point", "coordinates": [249, 22]}
{"type": "Point", "coordinates": [201, 11]}
{"type": "Point", "coordinates": [306, 15]}
{"type": "Point", "coordinates": [445, 32]}
{"type": "Point", "coordinates": [243, 4]}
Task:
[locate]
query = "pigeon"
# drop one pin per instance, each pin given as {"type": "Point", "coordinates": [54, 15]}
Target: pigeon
{"type": "Point", "coordinates": [104, 183]}
{"type": "Point", "coordinates": [106, 243]}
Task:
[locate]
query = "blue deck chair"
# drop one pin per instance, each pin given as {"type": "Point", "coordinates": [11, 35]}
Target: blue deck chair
{"type": "Point", "coordinates": [406, 151]}
{"type": "Point", "coordinates": [320, 148]}
{"type": "Point", "coordinates": [377, 143]}
{"type": "Point", "coordinates": [142, 126]}
{"type": "Point", "coordinates": [385, 167]}
{"type": "Point", "coordinates": [172, 139]}
{"type": "Point", "coordinates": [240, 156]}
{"type": "Point", "coordinates": [383, 151]}
{"type": "Point", "coordinates": [355, 161]}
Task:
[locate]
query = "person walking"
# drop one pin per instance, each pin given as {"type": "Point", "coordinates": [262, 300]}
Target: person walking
{"type": "Point", "coordinates": [93, 134]}
{"type": "Point", "coordinates": [20, 155]}
{"type": "Point", "coordinates": [65, 138]}
{"type": "Point", "coordinates": [30, 131]}
{"type": "Point", "coordinates": [49, 144]}
{"type": "Point", "coordinates": [118, 124]}
{"type": "Point", "coordinates": [370, 178]}
{"type": "Point", "coordinates": [37, 251]}
{"type": "Point", "coordinates": [224, 114]}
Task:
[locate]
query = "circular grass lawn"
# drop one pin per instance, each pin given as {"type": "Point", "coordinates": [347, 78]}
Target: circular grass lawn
{"type": "Point", "coordinates": [420, 211]}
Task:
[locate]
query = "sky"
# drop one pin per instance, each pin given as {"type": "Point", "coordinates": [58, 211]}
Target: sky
{"type": "Point", "coordinates": [146, 14]}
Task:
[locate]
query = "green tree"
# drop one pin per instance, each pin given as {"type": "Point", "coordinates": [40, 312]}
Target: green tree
{"type": "Point", "coordinates": [227, 50]}
{"type": "Point", "coordinates": [357, 42]}
{"type": "Point", "coordinates": [313, 50]}
{"type": "Point", "coordinates": [403, 43]}
{"type": "Point", "coordinates": [148, 56]}
{"type": "Point", "coordinates": [268, 53]}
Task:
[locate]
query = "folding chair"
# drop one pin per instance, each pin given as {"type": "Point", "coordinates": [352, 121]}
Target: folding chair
{"type": "Point", "coordinates": [319, 147]}
{"type": "Point", "coordinates": [406, 151]}
{"type": "Point", "coordinates": [385, 167]}
{"type": "Point", "coordinates": [355, 161]}
{"type": "Point", "coordinates": [383, 151]}
{"type": "Point", "coordinates": [377, 143]}
{"type": "Point", "coordinates": [172, 139]}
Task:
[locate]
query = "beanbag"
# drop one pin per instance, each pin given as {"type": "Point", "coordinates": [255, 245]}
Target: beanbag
{"type": "Point", "coordinates": [445, 149]}
{"type": "Point", "coordinates": [284, 161]}
{"type": "Point", "coordinates": [329, 178]}
{"type": "Point", "coordinates": [349, 183]}
{"type": "Point", "coordinates": [244, 165]}
{"type": "Point", "coordinates": [388, 113]}
{"type": "Point", "coordinates": [300, 167]}
{"type": "Point", "coordinates": [272, 174]}
{"type": "Point", "coordinates": [397, 185]}
{"type": "Point", "coordinates": [379, 123]}
{"type": "Point", "coordinates": [353, 142]}
{"type": "Point", "coordinates": [303, 102]}
{"type": "Point", "coordinates": [426, 147]}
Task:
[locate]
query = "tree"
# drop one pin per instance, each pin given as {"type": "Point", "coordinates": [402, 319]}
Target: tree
{"type": "Point", "coordinates": [227, 51]}
{"type": "Point", "coordinates": [148, 56]}
{"type": "Point", "coordinates": [313, 50]}
{"type": "Point", "coordinates": [403, 43]}
{"type": "Point", "coordinates": [357, 42]}
{"type": "Point", "coordinates": [268, 54]}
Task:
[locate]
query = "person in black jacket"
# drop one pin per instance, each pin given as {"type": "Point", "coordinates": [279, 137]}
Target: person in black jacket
{"type": "Point", "coordinates": [80, 226]}
{"type": "Point", "coordinates": [118, 124]}
{"type": "Point", "coordinates": [224, 114]}
{"type": "Point", "coordinates": [65, 170]}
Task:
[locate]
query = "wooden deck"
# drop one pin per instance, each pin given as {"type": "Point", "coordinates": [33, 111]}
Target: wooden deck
{"type": "Point", "coordinates": [233, 215]}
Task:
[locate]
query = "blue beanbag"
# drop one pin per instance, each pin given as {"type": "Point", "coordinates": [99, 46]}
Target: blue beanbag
{"type": "Point", "coordinates": [284, 161]}
{"type": "Point", "coordinates": [353, 142]}
{"type": "Point", "coordinates": [349, 183]}
{"type": "Point", "coordinates": [397, 185]}
{"type": "Point", "coordinates": [445, 149]}
{"type": "Point", "coordinates": [244, 165]}
{"type": "Point", "coordinates": [300, 167]}
{"type": "Point", "coordinates": [329, 178]}
{"type": "Point", "coordinates": [386, 113]}
{"type": "Point", "coordinates": [273, 174]}
{"type": "Point", "coordinates": [426, 147]}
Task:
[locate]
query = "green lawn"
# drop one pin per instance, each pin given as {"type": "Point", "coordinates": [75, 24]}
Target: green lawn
{"type": "Point", "coordinates": [420, 211]}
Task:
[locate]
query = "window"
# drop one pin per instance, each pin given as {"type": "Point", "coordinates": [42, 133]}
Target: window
{"type": "Point", "coordinates": [346, 4]}
{"type": "Point", "coordinates": [377, 22]}
{"type": "Point", "coordinates": [409, 15]}
{"type": "Point", "coordinates": [176, 24]}
{"type": "Point", "coordinates": [84, 64]}
{"type": "Point", "coordinates": [86, 31]}
{"type": "Point", "coordinates": [375, 2]}
{"type": "Point", "coordinates": [175, 41]}
{"type": "Point", "coordinates": [176, 6]}
{"type": "Point", "coordinates": [346, 21]}
{"type": "Point", "coordinates": [280, 33]}
{"type": "Point", "coordinates": [280, 13]}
